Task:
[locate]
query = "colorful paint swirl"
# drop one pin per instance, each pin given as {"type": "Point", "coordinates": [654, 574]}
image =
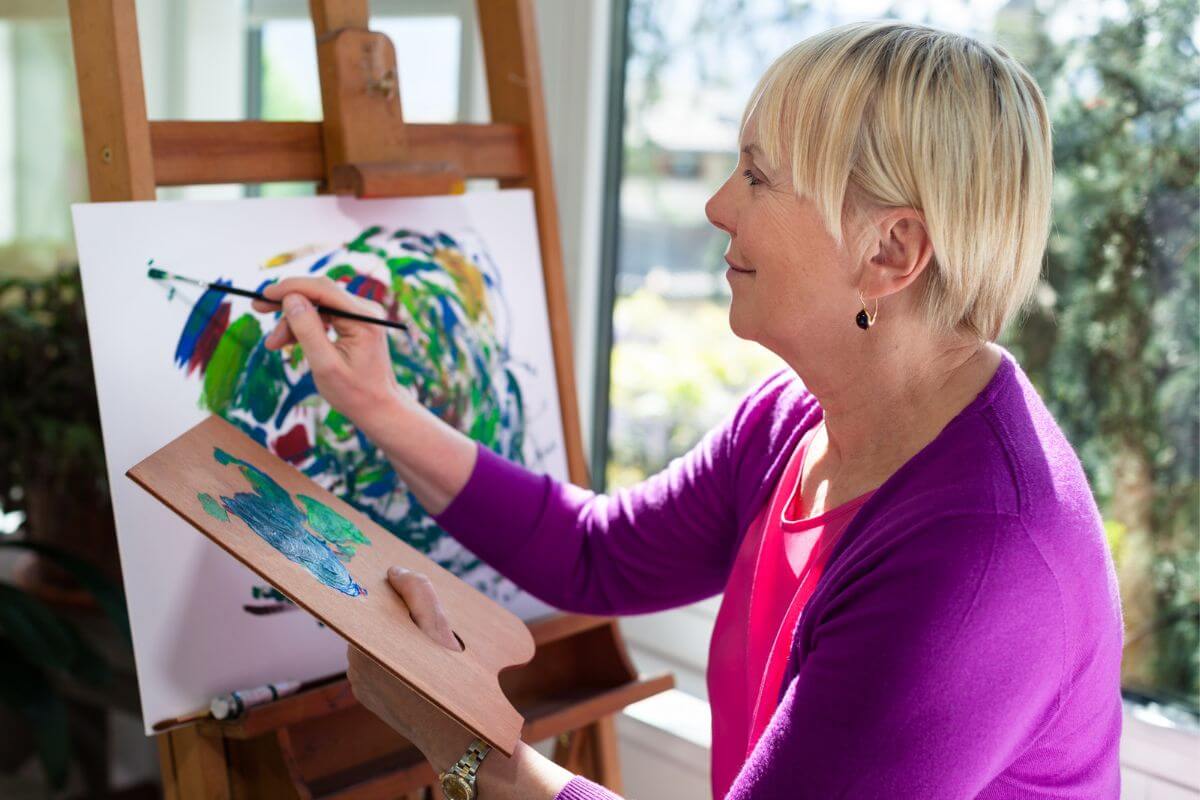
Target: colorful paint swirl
{"type": "Point", "coordinates": [454, 356]}
{"type": "Point", "coordinates": [271, 513]}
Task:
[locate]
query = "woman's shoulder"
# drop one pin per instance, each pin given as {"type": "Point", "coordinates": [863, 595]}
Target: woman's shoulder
{"type": "Point", "coordinates": [1005, 480]}
{"type": "Point", "coordinates": [1004, 453]}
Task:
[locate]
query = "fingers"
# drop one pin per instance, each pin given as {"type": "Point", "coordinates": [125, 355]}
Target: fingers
{"type": "Point", "coordinates": [423, 605]}
{"type": "Point", "coordinates": [308, 329]}
{"type": "Point", "coordinates": [280, 336]}
{"type": "Point", "coordinates": [319, 291]}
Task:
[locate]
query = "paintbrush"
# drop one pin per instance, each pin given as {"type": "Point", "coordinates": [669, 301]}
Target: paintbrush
{"type": "Point", "coordinates": [162, 275]}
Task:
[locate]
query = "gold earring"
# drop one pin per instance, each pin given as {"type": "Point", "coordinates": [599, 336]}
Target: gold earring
{"type": "Point", "coordinates": [863, 320]}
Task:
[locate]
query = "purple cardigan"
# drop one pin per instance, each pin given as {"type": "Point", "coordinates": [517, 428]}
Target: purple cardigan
{"type": "Point", "coordinates": [964, 640]}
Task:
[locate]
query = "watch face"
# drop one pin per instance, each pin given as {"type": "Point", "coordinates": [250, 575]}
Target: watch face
{"type": "Point", "coordinates": [455, 787]}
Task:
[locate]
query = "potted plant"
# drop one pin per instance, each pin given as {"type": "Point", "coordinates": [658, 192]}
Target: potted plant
{"type": "Point", "coordinates": [51, 457]}
{"type": "Point", "coordinates": [64, 552]}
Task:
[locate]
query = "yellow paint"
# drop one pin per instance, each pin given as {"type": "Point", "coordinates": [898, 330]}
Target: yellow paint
{"type": "Point", "coordinates": [469, 280]}
{"type": "Point", "coordinates": [290, 256]}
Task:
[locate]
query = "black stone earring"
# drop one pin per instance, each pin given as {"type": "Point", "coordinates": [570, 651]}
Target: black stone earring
{"type": "Point", "coordinates": [862, 320]}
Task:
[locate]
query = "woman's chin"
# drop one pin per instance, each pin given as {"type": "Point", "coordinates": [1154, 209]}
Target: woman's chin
{"type": "Point", "coordinates": [740, 326]}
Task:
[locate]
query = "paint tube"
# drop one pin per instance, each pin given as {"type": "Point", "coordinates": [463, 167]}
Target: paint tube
{"type": "Point", "coordinates": [234, 704]}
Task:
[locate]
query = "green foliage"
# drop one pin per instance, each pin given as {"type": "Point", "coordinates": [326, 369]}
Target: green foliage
{"type": "Point", "coordinates": [1115, 355]}
{"type": "Point", "coordinates": [50, 443]}
{"type": "Point", "coordinates": [676, 370]}
{"type": "Point", "coordinates": [38, 648]}
{"type": "Point", "coordinates": [49, 420]}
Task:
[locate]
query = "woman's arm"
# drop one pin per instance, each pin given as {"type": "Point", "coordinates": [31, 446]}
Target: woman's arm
{"type": "Point", "coordinates": [665, 542]}
{"type": "Point", "coordinates": [354, 374]}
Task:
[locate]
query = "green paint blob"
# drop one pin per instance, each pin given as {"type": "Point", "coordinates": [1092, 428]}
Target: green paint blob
{"type": "Point", "coordinates": [338, 424]}
{"type": "Point", "coordinates": [213, 508]}
{"type": "Point", "coordinates": [332, 526]}
{"type": "Point", "coordinates": [271, 491]}
{"type": "Point", "coordinates": [228, 360]}
{"type": "Point", "coordinates": [263, 383]}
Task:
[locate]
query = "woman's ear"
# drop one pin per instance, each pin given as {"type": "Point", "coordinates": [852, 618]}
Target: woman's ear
{"type": "Point", "coordinates": [901, 249]}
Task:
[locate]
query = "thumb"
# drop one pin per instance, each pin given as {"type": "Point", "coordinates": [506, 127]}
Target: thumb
{"type": "Point", "coordinates": [417, 592]}
{"type": "Point", "coordinates": [309, 330]}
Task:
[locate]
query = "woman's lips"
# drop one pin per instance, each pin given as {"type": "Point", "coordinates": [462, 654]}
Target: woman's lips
{"type": "Point", "coordinates": [737, 267]}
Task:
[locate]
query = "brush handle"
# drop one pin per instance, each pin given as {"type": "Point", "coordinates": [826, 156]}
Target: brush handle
{"type": "Point", "coordinates": [333, 312]}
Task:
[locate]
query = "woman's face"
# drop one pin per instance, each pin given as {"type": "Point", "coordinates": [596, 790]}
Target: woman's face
{"type": "Point", "coordinates": [798, 282]}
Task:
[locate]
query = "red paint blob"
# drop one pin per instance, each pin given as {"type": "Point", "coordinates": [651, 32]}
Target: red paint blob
{"type": "Point", "coordinates": [292, 446]}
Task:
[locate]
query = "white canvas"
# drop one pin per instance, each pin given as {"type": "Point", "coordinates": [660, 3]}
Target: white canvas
{"type": "Point", "coordinates": [203, 624]}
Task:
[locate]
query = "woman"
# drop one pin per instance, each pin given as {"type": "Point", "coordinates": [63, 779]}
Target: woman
{"type": "Point", "coordinates": [919, 602]}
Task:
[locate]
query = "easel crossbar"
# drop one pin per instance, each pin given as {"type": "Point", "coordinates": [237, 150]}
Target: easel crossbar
{"type": "Point", "coordinates": [192, 153]}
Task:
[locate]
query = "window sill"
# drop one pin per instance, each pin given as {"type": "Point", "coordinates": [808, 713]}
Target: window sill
{"type": "Point", "coordinates": [667, 739]}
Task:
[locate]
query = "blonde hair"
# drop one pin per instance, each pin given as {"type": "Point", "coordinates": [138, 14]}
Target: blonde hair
{"type": "Point", "coordinates": [889, 114]}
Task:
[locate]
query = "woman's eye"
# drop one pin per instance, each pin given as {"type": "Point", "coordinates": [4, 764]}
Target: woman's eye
{"type": "Point", "coordinates": [749, 176]}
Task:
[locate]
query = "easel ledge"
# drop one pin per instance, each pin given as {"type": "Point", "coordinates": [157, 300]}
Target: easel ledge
{"type": "Point", "coordinates": [327, 745]}
{"type": "Point", "coordinates": [320, 743]}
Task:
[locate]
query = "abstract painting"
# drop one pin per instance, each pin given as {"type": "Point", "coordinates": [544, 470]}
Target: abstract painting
{"type": "Point", "coordinates": [453, 357]}
{"type": "Point", "coordinates": [462, 273]}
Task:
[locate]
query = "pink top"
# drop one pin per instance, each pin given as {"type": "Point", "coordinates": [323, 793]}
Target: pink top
{"type": "Point", "coordinates": [776, 569]}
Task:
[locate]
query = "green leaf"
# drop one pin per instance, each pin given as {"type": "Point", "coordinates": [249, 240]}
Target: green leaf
{"type": "Point", "coordinates": [28, 691]}
{"type": "Point", "coordinates": [35, 630]}
{"type": "Point", "coordinates": [108, 595]}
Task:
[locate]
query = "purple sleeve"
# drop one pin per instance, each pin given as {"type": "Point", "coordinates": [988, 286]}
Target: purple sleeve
{"type": "Point", "coordinates": [664, 542]}
{"type": "Point", "coordinates": [582, 789]}
{"type": "Point", "coordinates": [925, 675]}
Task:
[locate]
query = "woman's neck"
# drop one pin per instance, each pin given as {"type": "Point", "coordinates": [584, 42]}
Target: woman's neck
{"type": "Point", "coordinates": [880, 412]}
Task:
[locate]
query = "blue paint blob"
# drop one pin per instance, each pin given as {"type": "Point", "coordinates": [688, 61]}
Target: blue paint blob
{"type": "Point", "coordinates": [301, 389]}
{"type": "Point", "coordinates": [273, 515]}
{"type": "Point", "coordinates": [197, 323]}
{"type": "Point", "coordinates": [320, 263]}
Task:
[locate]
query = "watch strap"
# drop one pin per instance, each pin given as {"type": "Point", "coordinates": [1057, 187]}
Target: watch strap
{"type": "Point", "coordinates": [468, 765]}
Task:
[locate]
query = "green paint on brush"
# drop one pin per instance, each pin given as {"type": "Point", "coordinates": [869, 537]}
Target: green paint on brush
{"type": "Point", "coordinates": [228, 360]}
{"type": "Point", "coordinates": [332, 527]}
{"type": "Point", "coordinates": [157, 274]}
{"type": "Point", "coordinates": [213, 508]}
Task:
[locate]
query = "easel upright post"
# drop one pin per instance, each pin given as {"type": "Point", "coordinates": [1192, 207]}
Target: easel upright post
{"type": "Point", "coordinates": [116, 133]}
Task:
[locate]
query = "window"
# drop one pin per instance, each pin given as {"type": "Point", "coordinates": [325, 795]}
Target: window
{"type": "Point", "coordinates": [41, 141]}
{"type": "Point", "coordinates": [1112, 345]}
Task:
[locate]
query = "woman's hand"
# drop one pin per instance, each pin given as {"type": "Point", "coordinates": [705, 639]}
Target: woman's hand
{"type": "Point", "coordinates": [435, 734]}
{"type": "Point", "coordinates": [528, 775]}
{"type": "Point", "coordinates": [354, 373]}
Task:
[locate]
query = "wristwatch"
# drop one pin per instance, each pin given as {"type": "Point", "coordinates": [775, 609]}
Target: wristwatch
{"type": "Point", "coordinates": [458, 782]}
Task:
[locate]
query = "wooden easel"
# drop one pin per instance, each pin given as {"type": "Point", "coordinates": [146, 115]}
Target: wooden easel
{"type": "Point", "coordinates": [320, 743]}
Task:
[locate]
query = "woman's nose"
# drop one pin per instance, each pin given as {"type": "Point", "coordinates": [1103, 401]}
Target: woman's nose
{"type": "Point", "coordinates": [716, 211]}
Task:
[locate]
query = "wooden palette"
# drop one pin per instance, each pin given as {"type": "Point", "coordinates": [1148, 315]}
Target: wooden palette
{"type": "Point", "coordinates": [243, 481]}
